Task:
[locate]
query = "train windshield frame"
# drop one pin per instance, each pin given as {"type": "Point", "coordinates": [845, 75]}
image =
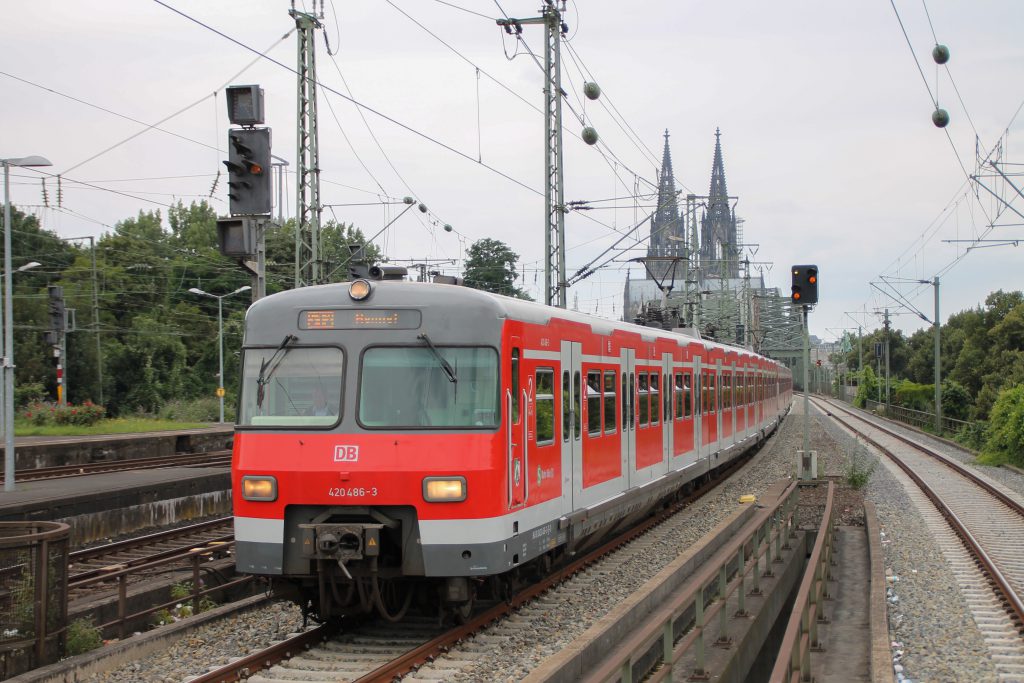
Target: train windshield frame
{"type": "Point", "coordinates": [410, 387]}
{"type": "Point", "coordinates": [291, 387]}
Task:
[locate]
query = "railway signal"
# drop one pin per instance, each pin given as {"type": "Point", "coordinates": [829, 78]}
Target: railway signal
{"type": "Point", "coordinates": [805, 285]}
{"type": "Point", "coordinates": [249, 186]}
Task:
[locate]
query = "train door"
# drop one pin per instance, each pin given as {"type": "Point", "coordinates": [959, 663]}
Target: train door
{"type": "Point", "coordinates": [515, 421]}
{"type": "Point", "coordinates": [572, 443]}
{"type": "Point", "coordinates": [627, 386]}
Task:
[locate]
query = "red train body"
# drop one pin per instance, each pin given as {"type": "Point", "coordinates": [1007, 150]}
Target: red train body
{"type": "Point", "coordinates": [428, 430]}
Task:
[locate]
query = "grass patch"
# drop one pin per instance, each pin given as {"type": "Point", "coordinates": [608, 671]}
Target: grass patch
{"type": "Point", "coordinates": [116, 426]}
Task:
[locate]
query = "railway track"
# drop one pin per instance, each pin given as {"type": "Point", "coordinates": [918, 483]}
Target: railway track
{"type": "Point", "coordinates": [220, 458]}
{"type": "Point", "coordinates": [978, 526]}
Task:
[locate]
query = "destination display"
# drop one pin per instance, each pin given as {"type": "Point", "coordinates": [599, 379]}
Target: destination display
{"type": "Point", "coordinates": [363, 318]}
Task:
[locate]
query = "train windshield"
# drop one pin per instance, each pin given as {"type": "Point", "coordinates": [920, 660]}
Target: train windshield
{"type": "Point", "coordinates": [409, 387]}
{"type": "Point", "coordinates": [292, 387]}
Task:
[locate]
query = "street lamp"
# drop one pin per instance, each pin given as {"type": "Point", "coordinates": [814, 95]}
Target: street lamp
{"type": "Point", "coordinates": [8, 360]}
{"type": "Point", "coordinates": [220, 336]}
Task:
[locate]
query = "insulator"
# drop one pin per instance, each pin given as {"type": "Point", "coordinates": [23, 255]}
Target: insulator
{"type": "Point", "coordinates": [591, 90]}
{"type": "Point", "coordinates": [589, 135]}
{"type": "Point", "coordinates": [940, 117]}
{"type": "Point", "coordinates": [940, 53]}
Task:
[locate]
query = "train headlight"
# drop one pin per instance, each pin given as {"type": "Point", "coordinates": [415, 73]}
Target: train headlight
{"type": "Point", "coordinates": [263, 489]}
{"type": "Point", "coordinates": [359, 290]}
{"type": "Point", "coordinates": [444, 489]}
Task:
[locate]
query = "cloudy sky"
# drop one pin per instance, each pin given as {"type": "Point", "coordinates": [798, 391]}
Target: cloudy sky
{"type": "Point", "coordinates": [825, 120]}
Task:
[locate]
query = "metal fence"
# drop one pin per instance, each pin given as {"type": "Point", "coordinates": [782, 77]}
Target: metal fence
{"type": "Point", "coordinates": [33, 594]}
{"type": "Point", "coordinates": [917, 418]}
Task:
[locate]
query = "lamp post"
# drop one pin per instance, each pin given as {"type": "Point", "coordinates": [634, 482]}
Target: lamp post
{"type": "Point", "coordinates": [220, 337]}
{"type": "Point", "coordinates": [8, 361]}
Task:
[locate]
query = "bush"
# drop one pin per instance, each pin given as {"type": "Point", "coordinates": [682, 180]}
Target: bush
{"type": "Point", "coordinates": [82, 636]}
{"type": "Point", "coordinates": [1004, 441]}
{"type": "Point", "coordinates": [29, 392]}
{"type": "Point", "coordinates": [205, 409]}
{"type": "Point", "coordinates": [84, 414]}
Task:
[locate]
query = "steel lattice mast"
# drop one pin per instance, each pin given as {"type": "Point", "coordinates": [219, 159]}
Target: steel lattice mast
{"type": "Point", "coordinates": [555, 284]}
{"type": "Point", "coordinates": [308, 259]}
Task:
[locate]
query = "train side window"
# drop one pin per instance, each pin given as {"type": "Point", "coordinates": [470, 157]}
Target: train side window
{"type": "Point", "coordinates": [678, 396]}
{"type": "Point", "coordinates": [576, 410]}
{"type": "Point", "coordinates": [515, 386]}
{"type": "Point", "coordinates": [666, 410]}
{"type": "Point", "coordinates": [593, 403]}
{"type": "Point", "coordinates": [632, 401]}
{"type": "Point", "coordinates": [565, 406]}
{"type": "Point", "coordinates": [716, 394]}
{"type": "Point", "coordinates": [687, 395]}
{"type": "Point", "coordinates": [727, 390]}
{"type": "Point", "coordinates": [643, 393]}
{"type": "Point", "coordinates": [544, 426]}
{"type": "Point", "coordinates": [625, 403]}
{"type": "Point", "coordinates": [655, 399]}
{"type": "Point", "coordinates": [609, 401]}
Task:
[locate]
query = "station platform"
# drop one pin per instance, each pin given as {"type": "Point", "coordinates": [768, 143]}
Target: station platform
{"type": "Point", "coordinates": [54, 451]}
{"type": "Point", "coordinates": [102, 506]}
{"type": "Point", "coordinates": [111, 504]}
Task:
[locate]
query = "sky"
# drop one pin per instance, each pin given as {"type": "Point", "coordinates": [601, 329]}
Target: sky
{"type": "Point", "coordinates": [824, 115]}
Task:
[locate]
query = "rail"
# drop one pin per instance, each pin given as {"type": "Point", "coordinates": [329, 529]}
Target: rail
{"type": "Point", "coordinates": [793, 662]}
{"type": "Point", "coordinates": [736, 566]}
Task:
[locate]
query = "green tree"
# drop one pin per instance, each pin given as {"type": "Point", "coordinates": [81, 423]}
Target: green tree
{"type": "Point", "coordinates": [31, 242]}
{"type": "Point", "coordinates": [491, 266]}
{"type": "Point", "coordinates": [1004, 440]}
{"type": "Point", "coordinates": [867, 387]}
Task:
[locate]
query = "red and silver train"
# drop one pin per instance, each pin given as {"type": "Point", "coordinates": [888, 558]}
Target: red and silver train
{"type": "Point", "coordinates": [391, 430]}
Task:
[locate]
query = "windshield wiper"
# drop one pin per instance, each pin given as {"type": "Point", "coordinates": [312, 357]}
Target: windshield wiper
{"type": "Point", "coordinates": [269, 365]}
{"type": "Point", "coordinates": [445, 365]}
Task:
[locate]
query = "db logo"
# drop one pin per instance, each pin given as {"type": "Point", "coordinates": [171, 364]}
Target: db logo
{"type": "Point", "coordinates": [346, 453]}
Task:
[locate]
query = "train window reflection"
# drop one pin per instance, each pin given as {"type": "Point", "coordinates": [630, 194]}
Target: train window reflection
{"type": "Point", "coordinates": [408, 387]}
{"type": "Point", "coordinates": [301, 387]}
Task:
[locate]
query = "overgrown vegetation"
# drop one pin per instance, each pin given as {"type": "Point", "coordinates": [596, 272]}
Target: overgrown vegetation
{"type": "Point", "coordinates": [858, 472]}
{"type": "Point", "coordinates": [1004, 439]}
{"type": "Point", "coordinates": [82, 637]}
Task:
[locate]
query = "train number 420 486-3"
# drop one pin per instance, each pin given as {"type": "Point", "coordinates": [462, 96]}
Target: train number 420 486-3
{"type": "Point", "coordinates": [352, 492]}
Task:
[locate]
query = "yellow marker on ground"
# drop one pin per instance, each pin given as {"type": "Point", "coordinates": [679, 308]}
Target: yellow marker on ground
{"type": "Point", "coordinates": [748, 499]}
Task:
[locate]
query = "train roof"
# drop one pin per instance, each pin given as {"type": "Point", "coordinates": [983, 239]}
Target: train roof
{"type": "Point", "coordinates": [406, 293]}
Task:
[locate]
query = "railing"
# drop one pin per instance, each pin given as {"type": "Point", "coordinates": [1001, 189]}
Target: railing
{"type": "Point", "coordinates": [793, 663]}
{"type": "Point", "coordinates": [33, 594]}
{"type": "Point", "coordinates": [917, 418]}
{"type": "Point", "coordinates": [733, 570]}
{"type": "Point", "coordinates": [196, 558]}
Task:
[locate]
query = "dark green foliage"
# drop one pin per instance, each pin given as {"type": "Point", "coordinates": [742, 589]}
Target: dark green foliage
{"type": "Point", "coordinates": [914, 396]}
{"type": "Point", "coordinates": [491, 266]}
{"type": "Point", "coordinates": [956, 402]}
{"type": "Point", "coordinates": [1004, 440]}
{"type": "Point", "coordinates": [867, 387]}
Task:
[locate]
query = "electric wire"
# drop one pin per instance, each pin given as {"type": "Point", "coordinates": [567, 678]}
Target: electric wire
{"type": "Point", "coordinates": [361, 105]}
